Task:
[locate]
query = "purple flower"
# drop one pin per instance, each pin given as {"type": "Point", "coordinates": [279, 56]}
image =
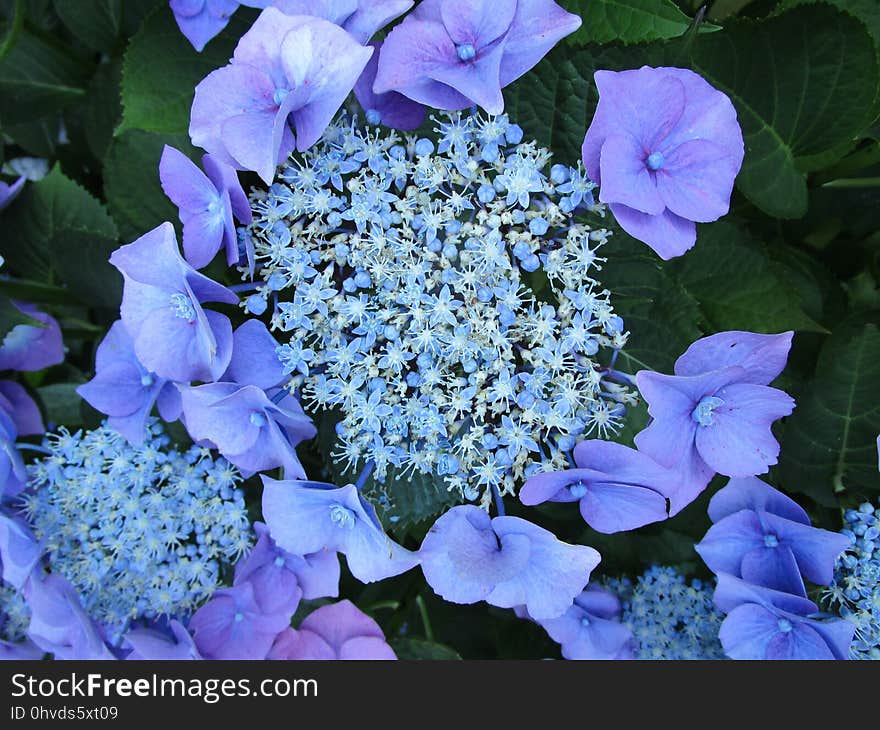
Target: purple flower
{"type": "Point", "coordinates": [246, 427]}
{"type": "Point", "coordinates": [391, 108]}
{"type": "Point", "coordinates": [29, 347]}
{"type": "Point", "coordinates": [665, 147]}
{"type": "Point", "coordinates": [19, 551]}
{"type": "Point", "coordinates": [719, 419]}
{"type": "Point", "coordinates": [763, 537]}
{"type": "Point", "coordinates": [8, 192]}
{"type": "Point", "coordinates": [765, 624]}
{"type": "Point", "coordinates": [361, 18]}
{"type": "Point", "coordinates": [255, 357]}
{"type": "Point", "coordinates": [618, 488]}
{"type": "Point", "coordinates": [280, 579]}
{"type": "Point", "coordinates": [20, 408]}
{"type": "Point", "coordinates": [201, 20]}
{"type": "Point", "coordinates": [206, 203]}
{"type": "Point", "coordinates": [452, 54]}
{"type": "Point", "coordinates": [125, 390]}
{"type": "Point", "coordinates": [763, 357]}
{"type": "Point", "coordinates": [161, 309]}
{"type": "Point", "coordinates": [591, 628]}
{"type": "Point", "coordinates": [285, 68]}
{"type": "Point", "coordinates": [335, 631]}
{"type": "Point", "coordinates": [468, 556]}
{"type": "Point", "coordinates": [231, 625]}
{"type": "Point", "coordinates": [154, 645]}
{"type": "Point", "coordinates": [307, 517]}
{"type": "Point", "coordinates": [59, 624]}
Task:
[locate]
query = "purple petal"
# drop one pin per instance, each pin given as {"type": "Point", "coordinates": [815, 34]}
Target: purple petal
{"type": "Point", "coordinates": [667, 234]}
{"type": "Point", "coordinates": [394, 109]}
{"type": "Point", "coordinates": [731, 592]}
{"type": "Point", "coordinates": [340, 622]}
{"type": "Point", "coordinates": [773, 567]}
{"type": "Point", "coordinates": [254, 359]}
{"type": "Point", "coordinates": [154, 645]}
{"type": "Point", "coordinates": [801, 643]}
{"type": "Point", "coordinates": [814, 549]}
{"type": "Point", "coordinates": [8, 192]}
{"type": "Point", "coordinates": [625, 466]}
{"type": "Point", "coordinates": [626, 178]}
{"type": "Point", "coordinates": [726, 542]}
{"type": "Point", "coordinates": [609, 507]}
{"type": "Point", "coordinates": [225, 178]}
{"type": "Point", "coordinates": [19, 551]}
{"type": "Point", "coordinates": [477, 22]}
{"type": "Point", "coordinates": [202, 27]}
{"type": "Point", "coordinates": [696, 180]}
{"type": "Point", "coordinates": [203, 235]}
{"type": "Point", "coordinates": [552, 486]}
{"type": "Point", "coordinates": [21, 409]}
{"type": "Point", "coordinates": [740, 443]}
{"type": "Point", "coordinates": [762, 356]}
{"type": "Point", "coordinates": [184, 183]}
{"type": "Point", "coordinates": [27, 347]}
{"type": "Point", "coordinates": [373, 15]}
{"type": "Point", "coordinates": [753, 494]}
{"type": "Point", "coordinates": [747, 631]}
{"type": "Point", "coordinates": [301, 645]}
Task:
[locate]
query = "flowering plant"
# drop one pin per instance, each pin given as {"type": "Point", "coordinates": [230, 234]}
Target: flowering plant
{"type": "Point", "coordinates": [369, 329]}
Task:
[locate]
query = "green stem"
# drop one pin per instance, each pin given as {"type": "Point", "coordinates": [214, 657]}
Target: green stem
{"type": "Point", "coordinates": [854, 182]}
{"type": "Point", "coordinates": [426, 621]}
{"type": "Point", "coordinates": [15, 28]}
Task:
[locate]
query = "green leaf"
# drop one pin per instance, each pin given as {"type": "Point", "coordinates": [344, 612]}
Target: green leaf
{"type": "Point", "coordinates": [11, 316]}
{"type": "Point", "coordinates": [103, 109]}
{"type": "Point", "coordinates": [803, 84]}
{"type": "Point", "coordinates": [37, 78]}
{"type": "Point", "coordinates": [407, 648]}
{"type": "Point", "coordinates": [628, 21]}
{"type": "Point", "coordinates": [829, 444]}
{"type": "Point", "coordinates": [660, 314]}
{"type": "Point", "coordinates": [161, 70]}
{"type": "Point", "coordinates": [56, 228]}
{"type": "Point", "coordinates": [65, 407]}
{"type": "Point", "coordinates": [131, 181]}
{"type": "Point", "coordinates": [737, 288]}
{"type": "Point", "coordinates": [96, 23]}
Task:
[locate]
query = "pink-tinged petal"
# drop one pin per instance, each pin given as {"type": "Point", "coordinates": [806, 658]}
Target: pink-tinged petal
{"type": "Point", "coordinates": [669, 235]}
{"type": "Point", "coordinates": [762, 356]}
{"type": "Point", "coordinates": [373, 15]}
{"type": "Point", "coordinates": [25, 413]}
{"type": "Point", "coordinates": [411, 53]}
{"type": "Point", "coordinates": [340, 622]}
{"type": "Point", "coordinates": [260, 47]}
{"type": "Point", "coordinates": [184, 183]}
{"type": "Point", "coordinates": [537, 26]}
{"type": "Point", "coordinates": [623, 465]}
{"type": "Point", "coordinates": [334, 61]}
{"type": "Point", "coordinates": [696, 180]}
{"type": "Point", "coordinates": [363, 648]}
{"type": "Point", "coordinates": [477, 22]}
{"type": "Point", "coordinates": [739, 442]}
{"type": "Point", "coordinates": [302, 646]}
{"type": "Point", "coordinates": [752, 494]}
{"type": "Point", "coordinates": [626, 178]}
{"type": "Point", "coordinates": [609, 507]}
{"type": "Point", "coordinates": [230, 91]}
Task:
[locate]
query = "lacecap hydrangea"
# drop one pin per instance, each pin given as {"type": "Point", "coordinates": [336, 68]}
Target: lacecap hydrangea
{"type": "Point", "coordinates": [441, 297]}
{"type": "Point", "coordinates": [141, 532]}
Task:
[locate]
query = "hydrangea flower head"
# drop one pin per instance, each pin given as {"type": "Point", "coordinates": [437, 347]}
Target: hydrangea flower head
{"type": "Point", "coordinates": [206, 201]}
{"type": "Point", "coordinates": [763, 623]}
{"type": "Point", "coordinates": [285, 69]}
{"type": "Point", "coordinates": [664, 147]}
{"type": "Point", "coordinates": [139, 532]}
{"type": "Point", "coordinates": [452, 54]}
{"type": "Point", "coordinates": [162, 310]}
{"type": "Point", "coordinates": [30, 347]}
{"type": "Point", "coordinates": [855, 591]}
{"type": "Point", "coordinates": [308, 517]}
{"type": "Point", "coordinates": [468, 556]}
{"type": "Point", "coordinates": [618, 488]}
{"type": "Point", "coordinates": [763, 537]}
{"type": "Point", "coordinates": [336, 631]}
{"type": "Point", "coordinates": [670, 617]}
{"type": "Point", "coordinates": [125, 390]}
{"type": "Point", "coordinates": [400, 279]}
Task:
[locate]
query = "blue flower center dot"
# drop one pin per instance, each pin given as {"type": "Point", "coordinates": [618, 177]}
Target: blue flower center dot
{"type": "Point", "coordinates": [279, 562]}
{"type": "Point", "coordinates": [280, 95]}
{"type": "Point", "coordinates": [577, 490]}
{"type": "Point", "coordinates": [465, 51]}
{"type": "Point", "coordinates": [238, 618]}
{"type": "Point", "coordinates": [655, 161]}
{"type": "Point", "coordinates": [771, 541]}
{"type": "Point", "coordinates": [146, 380]}
{"type": "Point", "coordinates": [702, 414]}
{"type": "Point", "coordinates": [341, 516]}
{"type": "Point", "coordinates": [585, 622]}
{"type": "Point", "coordinates": [373, 116]}
{"type": "Point", "coordinates": [258, 419]}
{"type": "Point", "coordinates": [784, 625]}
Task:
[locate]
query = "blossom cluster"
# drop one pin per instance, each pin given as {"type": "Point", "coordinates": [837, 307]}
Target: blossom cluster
{"type": "Point", "coordinates": [855, 589]}
{"type": "Point", "coordinates": [441, 298]}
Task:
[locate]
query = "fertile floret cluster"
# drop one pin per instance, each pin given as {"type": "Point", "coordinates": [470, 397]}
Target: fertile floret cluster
{"type": "Point", "coordinates": [670, 617]}
{"type": "Point", "coordinates": [139, 531]}
{"type": "Point", "coordinates": [14, 614]}
{"type": "Point", "coordinates": [441, 298]}
{"type": "Point", "coordinates": [855, 592]}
